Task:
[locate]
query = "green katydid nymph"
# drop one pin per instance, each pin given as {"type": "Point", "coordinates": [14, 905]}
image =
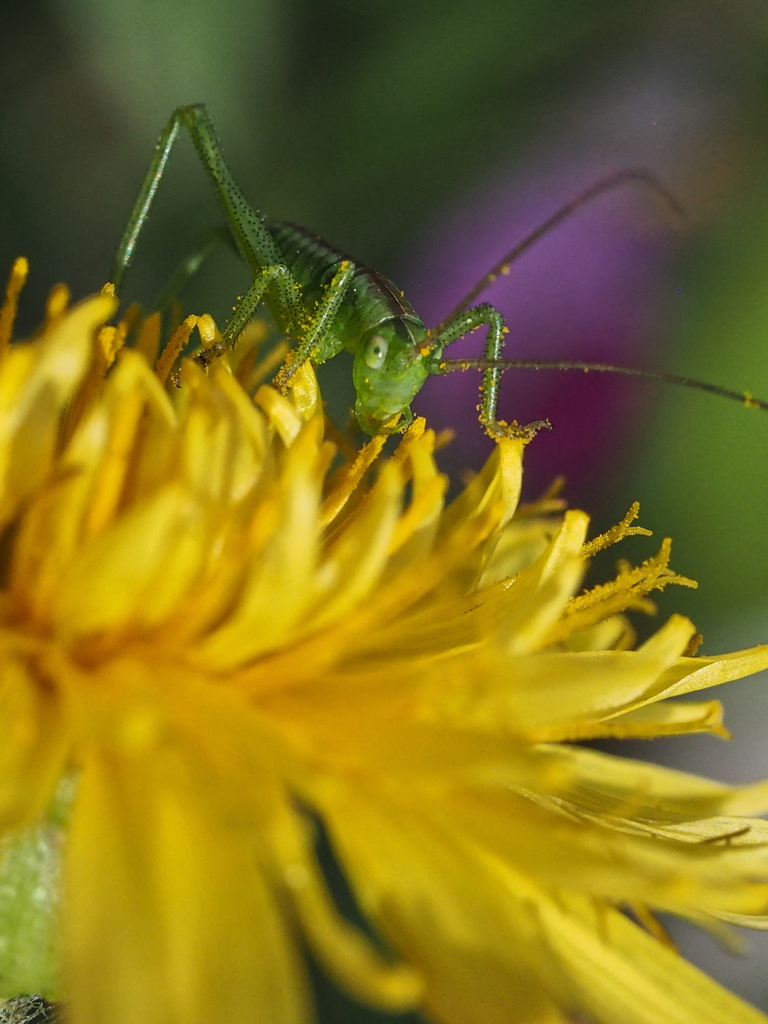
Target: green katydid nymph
{"type": "Point", "coordinates": [326, 302]}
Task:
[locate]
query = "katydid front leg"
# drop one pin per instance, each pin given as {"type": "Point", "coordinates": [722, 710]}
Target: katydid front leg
{"type": "Point", "coordinates": [317, 344]}
{"type": "Point", "coordinates": [462, 324]}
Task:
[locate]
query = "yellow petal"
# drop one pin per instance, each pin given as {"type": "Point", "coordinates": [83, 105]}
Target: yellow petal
{"type": "Point", "coordinates": [35, 741]}
{"type": "Point", "coordinates": [278, 581]}
{"type": "Point", "coordinates": [132, 575]}
{"type": "Point", "coordinates": [551, 694]}
{"type": "Point", "coordinates": [622, 974]}
{"type": "Point", "coordinates": [214, 949]}
{"type": "Point", "coordinates": [345, 952]}
{"type": "Point", "coordinates": [37, 381]}
{"type": "Point", "coordinates": [635, 789]}
{"type": "Point", "coordinates": [355, 561]}
{"type": "Point", "coordinates": [440, 913]}
{"type": "Point", "coordinates": [444, 906]}
{"type": "Point", "coordinates": [672, 718]}
{"type": "Point", "coordinates": [679, 871]}
{"type": "Point", "coordinates": [497, 483]}
{"type": "Point", "coordinates": [692, 674]}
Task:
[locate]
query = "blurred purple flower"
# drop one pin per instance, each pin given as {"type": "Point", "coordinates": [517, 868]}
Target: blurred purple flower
{"type": "Point", "coordinates": [587, 290]}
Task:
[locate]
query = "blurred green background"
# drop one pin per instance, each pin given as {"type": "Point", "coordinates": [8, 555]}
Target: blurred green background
{"type": "Point", "coordinates": [374, 124]}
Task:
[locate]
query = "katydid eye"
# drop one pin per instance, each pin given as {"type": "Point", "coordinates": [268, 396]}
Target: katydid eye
{"type": "Point", "coordinates": [376, 352]}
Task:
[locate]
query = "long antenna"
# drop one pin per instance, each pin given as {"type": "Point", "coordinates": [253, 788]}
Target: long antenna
{"type": "Point", "coordinates": [632, 176]}
{"type": "Point", "coordinates": [743, 397]}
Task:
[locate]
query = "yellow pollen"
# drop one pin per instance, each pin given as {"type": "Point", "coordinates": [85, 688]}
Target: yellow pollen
{"type": "Point", "coordinates": [208, 331]}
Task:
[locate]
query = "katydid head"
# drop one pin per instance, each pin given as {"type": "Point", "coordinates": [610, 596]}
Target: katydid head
{"type": "Point", "coordinates": [390, 368]}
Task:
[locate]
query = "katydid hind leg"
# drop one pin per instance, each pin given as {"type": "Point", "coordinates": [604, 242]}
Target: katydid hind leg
{"type": "Point", "coordinates": [251, 236]}
{"type": "Point", "coordinates": [144, 200]}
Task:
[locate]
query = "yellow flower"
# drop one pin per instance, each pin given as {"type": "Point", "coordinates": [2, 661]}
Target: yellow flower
{"type": "Point", "coordinates": [217, 636]}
